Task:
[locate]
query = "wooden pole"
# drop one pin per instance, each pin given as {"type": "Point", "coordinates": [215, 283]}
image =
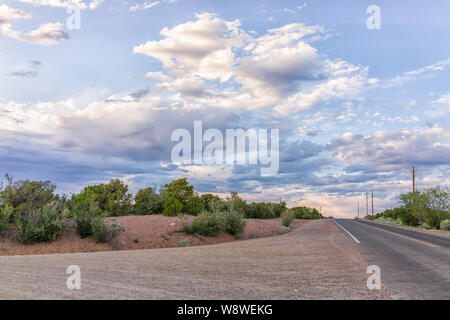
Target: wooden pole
{"type": "Point", "coordinates": [358, 210]}
{"type": "Point", "coordinates": [414, 180]}
{"type": "Point", "coordinates": [367, 203]}
{"type": "Point", "coordinates": [372, 203]}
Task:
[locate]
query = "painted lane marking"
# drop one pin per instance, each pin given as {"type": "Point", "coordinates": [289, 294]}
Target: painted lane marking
{"type": "Point", "coordinates": [353, 237]}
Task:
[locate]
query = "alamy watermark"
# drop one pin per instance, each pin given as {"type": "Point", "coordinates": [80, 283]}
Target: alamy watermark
{"type": "Point", "coordinates": [74, 19]}
{"type": "Point", "coordinates": [374, 20]}
{"type": "Point", "coordinates": [374, 280]}
{"type": "Point", "coordinates": [242, 147]}
{"type": "Point", "coordinates": [73, 282]}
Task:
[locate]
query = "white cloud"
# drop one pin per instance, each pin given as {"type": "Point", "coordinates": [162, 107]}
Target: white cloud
{"type": "Point", "coordinates": [440, 106]}
{"type": "Point", "coordinates": [144, 6]}
{"type": "Point", "coordinates": [202, 48]}
{"type": "Point", "coordinates": [93, 4]}
{"type": "Point", "coordinates": [386, 151]}
{"type": "Point", "coordinates": [46, 34]}
{"type": "Point", "coordinates": [275, 69]}
{"type": "Point", "coordinates": [426, 71]}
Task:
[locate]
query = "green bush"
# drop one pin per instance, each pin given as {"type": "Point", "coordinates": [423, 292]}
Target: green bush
{"type": "Point", "coordinates": [286, 217]}
{"type": "Point", "coordinates": [5, 215]}
{"type": "Point", "coordinates": [234, 222]}
{"type": "Point", "coordinates": [179, 189]}
{"type": "Point", "coordinates": [306, 213]}
{"type": "Point", "coordinates": [113, 198]}
{"type": "Point", "coordinates": [206, 224]}
{"type": "Point", "coordinates": [43, 225]}
{"type": "Point", "coordinates": [425, 226]}
{"type": "Point", "coordinates": [235, 203]}
{"type": "Point", "coordinates": [211, 202]}
{"type": "Point", "coordinates": [261, 210]}
{"type": "Point", "coordinates": [147, 201]}
{"type": "Point", "coordinates": [99, 229]}
{"type": "Point", "coordinates": [194, 206]}
{"type": "Point", "coordinates": [172, 207]}
{"type": "Point", "coordinates": [101, 232]}
{"type": "Point", "coordinates": [445, 225]}
{"type": "Point", "coordinates": [25, 196]}
{"type": "Point", "coordinates": [85, 209]}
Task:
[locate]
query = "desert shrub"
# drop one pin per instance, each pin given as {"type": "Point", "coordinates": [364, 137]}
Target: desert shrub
{"type": "Point", "coordinates": [172, 207]}
{"type": "Point", "coordinates": [5, 215]}
{"type": "Point", "coordinates": [113, 198]}
{"type": "Point", "coordinates": [395, 222]}
{"type": "Point", "coordinates": [194, 206]}
{"type": "Point", "coordinates": [286, 217]}
{"type": "Point", "coordinates": [234, 222]}
{"type": "Point", "coordinates": [147, 201]}
{"type": "Point", "coordinates": [445, 225]}
{"type": "Point", "coordinates": [102, 232]}
{"type": "Point", "coordinates": [260, 210]}
{"type": "Point", "coordinates": [410, 219]}
{"type": "Point", "coordinates": [211, 202]}
{"type": "Point", "coordinates": [99, 229]}
{"type": "Point", "coordinates": [42, 225]}
{"type": "Point", "coordinates": [279, 208]}
{"type": "Point", "coordinates": [85, 209]}
{"type": "Point", "coordinates": [425, 226]}
{"type": "Point", "coordinates": [235, 203]}
{"type": "Point", "coordinates": [184, 243]}
{"type": "Point", "coordinates": [206, 224]}
{"type": "Point", "coordinates": [27, 195]}
{"type": "Point", "coordinates": [306, 213]}
{"type": "Point", "coordinates": [430, 206]}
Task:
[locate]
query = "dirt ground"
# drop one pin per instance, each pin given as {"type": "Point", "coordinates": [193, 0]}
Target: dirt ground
{"type": "Point", "coordinates": [141, 232]}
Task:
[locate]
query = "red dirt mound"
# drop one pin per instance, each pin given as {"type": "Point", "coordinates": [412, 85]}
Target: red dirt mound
{"type": "Point", "coordinates": [141, 232]}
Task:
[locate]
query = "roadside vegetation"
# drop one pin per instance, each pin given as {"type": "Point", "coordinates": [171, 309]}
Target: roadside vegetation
{"type": "Point", "coordinates": [41, 215]}
{"type": "Point", "coordinates": [428, 209]}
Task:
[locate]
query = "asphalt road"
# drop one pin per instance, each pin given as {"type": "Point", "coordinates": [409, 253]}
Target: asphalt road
{"type": "Point", "coordinates": [314, 261]}
{"type": "Point", "coordinates": [414, 264]}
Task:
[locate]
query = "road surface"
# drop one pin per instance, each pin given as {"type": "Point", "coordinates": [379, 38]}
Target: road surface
{"type": "Point", "coordinates": [315, 261]}
{"type": "Point", "coordinates": [414, 264]}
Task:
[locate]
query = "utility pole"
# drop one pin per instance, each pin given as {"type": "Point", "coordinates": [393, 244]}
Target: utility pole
{"type": "Point", "coordinates": [358, 210]}
{"type": "Point", "coordinates": [372, 202]}
{"type": "Point", "coordinates": [367, 203]}
{"type": "Point", "coordinates": [414, 180]}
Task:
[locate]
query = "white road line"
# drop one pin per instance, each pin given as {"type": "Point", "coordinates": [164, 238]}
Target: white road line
{"type": "Point", "coordinates": [353, 237]}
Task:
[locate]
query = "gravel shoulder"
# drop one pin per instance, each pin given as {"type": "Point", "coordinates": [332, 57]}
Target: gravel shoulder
{"type": "Point", "coordinates": [314, 261]}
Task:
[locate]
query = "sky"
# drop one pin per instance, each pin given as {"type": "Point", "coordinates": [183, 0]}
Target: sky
{"type": "Point", "coordinates": [356, 107]}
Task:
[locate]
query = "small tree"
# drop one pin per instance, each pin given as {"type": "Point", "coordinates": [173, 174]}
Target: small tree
{"type": "Point", "coordinates": [113, 198]}
{"type": "Point", "coordinates": [194, 206]}
{"type": "Point", "coordinates": [180, 189]}
{"type": "Point", "coordinates": [147, 201]}
{"type": "Point", "coordinates": [172, 207]}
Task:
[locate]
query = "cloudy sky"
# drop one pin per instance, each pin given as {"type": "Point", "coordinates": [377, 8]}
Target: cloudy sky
{"type": "Point", "coordinates": [356, 108]}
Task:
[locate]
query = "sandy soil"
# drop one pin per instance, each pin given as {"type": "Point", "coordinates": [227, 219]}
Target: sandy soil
{"type": "Point", "coordinates": [142, 232]}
